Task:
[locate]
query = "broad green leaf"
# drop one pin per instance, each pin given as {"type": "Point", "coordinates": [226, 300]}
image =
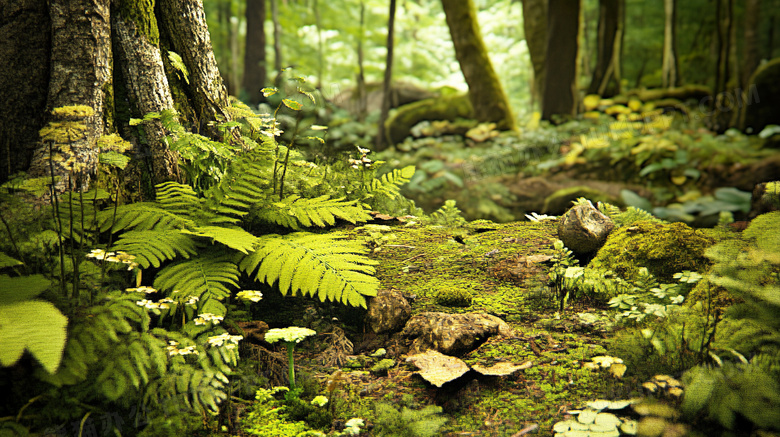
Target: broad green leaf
{"type": "Point", "coordinates": [292, 104]}
{"type": "Point", "coordinates": [36, 326]}
{"type": "Point", "coordinates": [21, 288]}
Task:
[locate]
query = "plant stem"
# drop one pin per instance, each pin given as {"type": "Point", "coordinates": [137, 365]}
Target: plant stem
{"type": "Point", "coordinates": [56, 212]}
{"type": "Point", "coordinates": [287, 156]}
{"type": "Point", "coordinates": [290, 363]}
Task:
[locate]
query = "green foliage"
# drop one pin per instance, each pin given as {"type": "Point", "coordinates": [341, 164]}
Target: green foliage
{"type": "Point", "coordinates": [448, 216]}
{"type": "Point", "coordinates": [30, 324]}
{"type": "Point", "coordinates": [425, 422]}
{"type": "Point", "coordinates": [294, 212]}
{"type": "Point", "coordinates": [453, 297]}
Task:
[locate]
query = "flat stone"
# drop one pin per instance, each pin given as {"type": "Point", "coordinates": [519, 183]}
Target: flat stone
{"type": "Point", "coordinates": [437, 368]}
{"type": "Point", "coordinates": [501, 369]}
{"type": "Point", "coordinates": [452, 334]}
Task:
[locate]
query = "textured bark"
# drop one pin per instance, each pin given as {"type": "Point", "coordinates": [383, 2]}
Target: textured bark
{"type": "Point", "coordinates": [720, 111]}
{"type": "Point", "coordinates": [185, 24]}
{"type": "Point", "coordinates": [669, 66]}
{"type": "Point", "coordinates": [255, 74]}
{"type": "Point", "coordinates": [381, 137]}
{"type": "Point", "coordinates": [148, 91]}
{"type": "Point", "coordinates": [535, 28]}
{"type": "Point", "coordinates": [606, 75]}
{"type": "Point", "coordinates": [560, 89]}
{"type": "Point", "coordinates": [485, 92]}
{"type": "Point", "coordinates": [24, 75]}
{"type": "Point", "coordinates": [277, 37]}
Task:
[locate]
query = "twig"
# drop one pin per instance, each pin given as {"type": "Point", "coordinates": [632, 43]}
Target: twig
{"type": "Point", "coordinates": [400, 245]}
{"type": "Point", "coordinates": [526, 430]}
{"type": "Point", "coordinates": [414, 257]}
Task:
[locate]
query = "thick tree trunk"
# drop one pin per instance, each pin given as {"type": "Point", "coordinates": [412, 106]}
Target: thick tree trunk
{"type": "Point", "coordinates": [669, 74]}
{"type": "Point", "coordinates": [485, 91]}
{"type": "Point", "coordinates": [560, 89]}
{"type": "Point", "coordinates": [80, 68]}
{"type": "Point", "coordinates": [535, 29]}
{"type": "Point", "coordinates": [381, 134]}
{"type": "Point", "coordinates": [255, 74]}
{"type": "Point", "coordinates": [25, 42]}
{"type": "Point", "coordinates": [606, 75]}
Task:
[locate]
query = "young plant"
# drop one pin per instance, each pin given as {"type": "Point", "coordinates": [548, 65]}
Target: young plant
{"type": "Point", "coordinates": [290, 336]}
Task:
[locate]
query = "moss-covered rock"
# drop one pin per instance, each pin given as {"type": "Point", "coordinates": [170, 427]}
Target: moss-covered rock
{"type": "Point", "coordinates": [558, 202]}
{"type": "Point", "coordinates": [664, 249]}
{"type": "Point", "coordinates": [762, 111]}
{"type": "Point", "coordinates": [453, 297]}
{"type": "Point", "coordinates": [400, 123]}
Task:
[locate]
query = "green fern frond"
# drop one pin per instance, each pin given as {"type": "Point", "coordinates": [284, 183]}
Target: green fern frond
{"type": "Point", "coordinates": [294, 212]}
{"type": "Point", "coordinates": [142, 216]}
{"type": "Point", "coordinates": [247, 183]}
{"type": "Point", "coordinates": [151, 248]}
{"type": "Point", "coordinates": [322, 265]}
{"type": "Point", "coordinates": [389, 184]}
{"type": "Point", "coordinates": [205, 276]}
{"type": "Point", "coordinates": [179, 65]}
{"type": "Point", "coordinates": [234, 238]}
{"type": "Point", "coordinates": [175, 197]}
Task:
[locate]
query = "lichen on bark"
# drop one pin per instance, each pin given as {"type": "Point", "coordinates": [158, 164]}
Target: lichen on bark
{"type": "Point", "coordinates": [141, 12]}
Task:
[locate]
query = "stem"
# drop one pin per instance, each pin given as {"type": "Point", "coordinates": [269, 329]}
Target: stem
{"type": "Point", "coordinates": [56, 212]}
{"type": "Point", "coordinates": [13, 242]}
{"type": "Point", "coordinates": [75, 285]}
{"type": "Point", "coordinates": [287, 156]}
{"type": "Point", "coordinates": [290, 363]}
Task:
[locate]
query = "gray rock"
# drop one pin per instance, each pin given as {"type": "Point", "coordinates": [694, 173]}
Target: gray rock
{"type": "Point", "coordinates": [452, 334]}
{"type": "Point", "coordinates": [584, 229]}
{"type": "Point", "coordinates": [438, 368]}
{"type": "Point", "coordinates": [388, 311]}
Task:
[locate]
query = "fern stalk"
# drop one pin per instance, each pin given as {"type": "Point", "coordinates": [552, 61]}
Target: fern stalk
{"type": "Point", "coordinates": [287, 157]}
{"type": "Point", "coordinates": [57, 220]}
{"type": "Point", "coordinates": [75, 284]}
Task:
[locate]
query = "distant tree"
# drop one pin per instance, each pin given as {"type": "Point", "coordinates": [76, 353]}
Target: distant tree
{"type": "Point", "coordinates": [669, 71]}
{"type": "Point", "coordinates": [751, 56]}
{"type": "Point", "coordinates": [277, 39]}
{"type": "Point", "coordinates": [609, 43]}
{"type": "Point", "coordinates": [255, 73]}
{"type": "Point", "coordinates": [386, 86]}
{"type": "Point", "coordinates": [485, 91]}
{"type": "Point", "coordinates": [560, 82]}
{"type": "Point", "coordinates": [122, 59]}
{"type": "Point", "coordinates": [720, 107]}
{"type": "Point", "coordinates": [535, 29]}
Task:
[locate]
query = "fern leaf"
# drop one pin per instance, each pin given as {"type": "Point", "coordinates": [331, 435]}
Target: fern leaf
{"type": "Point", "coordinates": [179, 65]}
{"type": "Point", "coordinates": [175, 197]}
{"type": "Point", "coordinates": [151, 248]}
{"type": "Point", "coordinates": [322, 265]}
{"type": "Point", "coordinates": [142, 216]}
{"type": "Point", "coordinates": [234, 238]}
{"type": "Point", "coordinates": [205, 277]}
{"type": "Point", "coordinates": [294, 212]}
{"type": "Point", "coordinates": [390, 183]}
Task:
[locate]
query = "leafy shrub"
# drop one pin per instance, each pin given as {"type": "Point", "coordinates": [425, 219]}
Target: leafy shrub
{"type": "Point", "coordinates": [425, 422]}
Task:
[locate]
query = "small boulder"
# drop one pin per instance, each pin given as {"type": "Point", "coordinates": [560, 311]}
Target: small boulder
{"type": "Point", "coordinates": [388, 311]}
{"type": "Point", "coordinates": [759, 105]}
{"type": "Point", "coordinates": [452, 333]}
{"type": "Point", "coordinates": [437, 368]}
{"type": "Point", "coordinates": [584, 229]}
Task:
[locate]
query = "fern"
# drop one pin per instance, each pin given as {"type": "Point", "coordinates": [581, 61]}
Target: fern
{"type": "Point", "coordinates": [151, 248]}
{"type": "Point", "coordinates": [326, 266]}
{"type": "Point", "coordinates": [389, 184]}
{"type": "Point", "coordinates": [207, 276]}
{"type": "Point", "coordinates": [142, 216]}
{"type": "Point", "coordinates": [294, 212]}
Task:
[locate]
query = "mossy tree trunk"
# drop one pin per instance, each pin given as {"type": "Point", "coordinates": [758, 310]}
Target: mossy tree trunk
{"type": "Point", "coordinates": [560, 84]}
{"type": "Point", "coordinates": [381, 136]}
{"type": "Point", "coordinates": [104, 54]}
{"type": "Point", "coordinates": [669, 75]}
{"type": "Point", "coordinates": [606, 75]}
{"type": "Point", "coordinates": [535, 28]}
{"type": "Point", "coordinates": [485, 91]}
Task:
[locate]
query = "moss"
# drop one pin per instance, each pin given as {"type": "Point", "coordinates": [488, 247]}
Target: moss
{"type": "Point", "coordinates": [382, 366]}
{"type": "Point", "coordinates": [109, 113]}
{"type": "Point", "coordinates": [664, 249]}
{"type": "Point", "coordinates": [141, 12]}
{"type": "Point", "coordinates": [453, 297]}
{"type": "Point", "coordinates": [400, 123]}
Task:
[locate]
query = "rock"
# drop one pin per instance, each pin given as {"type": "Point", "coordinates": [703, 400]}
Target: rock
{"type": "Point", "coordinates": [452, 333]}
{"type": "Point", "coordinates": [557, 202]}
{"type": "Point", "coordinates": [254, 331]}
{"type": "Point", "coordinates": [760, 106]}
{"type": "Point", "coordinates": [584, 229]}
{"type": "Point", "coordinates": [388, 311]}
{"type": "Point", "coordinates": [400, 123]}
{"type": "Point", "coordinates": [501, 369]}
{"type": "Point", "coordinates": [437, 368]}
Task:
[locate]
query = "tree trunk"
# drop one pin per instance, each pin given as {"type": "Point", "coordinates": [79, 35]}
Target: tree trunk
{"type": "Point", "coordinates": [255, 74]}
{"type": "Point", "coordinates": [750, 50]}
{"type": "Point", "coordinates": [485, 92]}
{"type": "Point", "coordinates": [560, 83]}
{"type": "Point", "coordinates": [381, 141]}
{"type": "Point", "coordinates": [277, 39]}
{"type": "Point", "coordinates": [361, 76]}
{"type": "Point", "coordinates": [69, 49]}
{"type": "Point", "coordinates": [669, 65]}
{"type": "Point", "coordinates": [720, 107]}
{"type": "Point", "coordinates": [606, 75]}
{"type": "Point", "coordinates": [535, 28]}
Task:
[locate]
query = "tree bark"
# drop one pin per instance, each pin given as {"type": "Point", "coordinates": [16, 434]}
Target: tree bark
{"type": "Point", "coordinates": [669, 68]}
{"type": "Point", "coordinates": [277, 39]}
{"type": "Point", "coordinates": [606, 75]}
{"type": "Point", "coordinates": [255, 74]}
{"type": "Point", "coordinates": [535, 29]}
{"type": "Point", "coordinates": [719, 116]}
{"type": "Point", "coordinates": [750, 50]}
{"type": "Point", "coordinates": [485, 91]}
{"type": "Point", "coordinates": [386, 86]}
{"type": "Point", "coordinates": [560, 89]}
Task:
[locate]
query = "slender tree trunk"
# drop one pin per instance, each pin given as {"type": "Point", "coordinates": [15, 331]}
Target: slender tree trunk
{"type": "Point", "coordinates": [320, 48]}
{"type": "Point", "coordinates": [381, 141]}
{"type": "Point", "coordinates": [255, 74]}
{"type": "Point", "coordinates": [485, 91]}
{"type": "Point", "coordinates": [560, 90]}
{"type": "Point", "coordinates": [724, 12]}
{"type": "Point", "coordinates": [606, 75]}
{"type": "Point", "coordinates": [235, 82]}
{"type": "Point", "coordinates": [361, 77]}
{"type": "Point", "coordinates": [535, 29]}
{"type": "Point", "coordinates": [277, 39]}
{"type": "Point", "coordinates": [669, 64]}
{"type": "Point", "coordinates": [750, 51]}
